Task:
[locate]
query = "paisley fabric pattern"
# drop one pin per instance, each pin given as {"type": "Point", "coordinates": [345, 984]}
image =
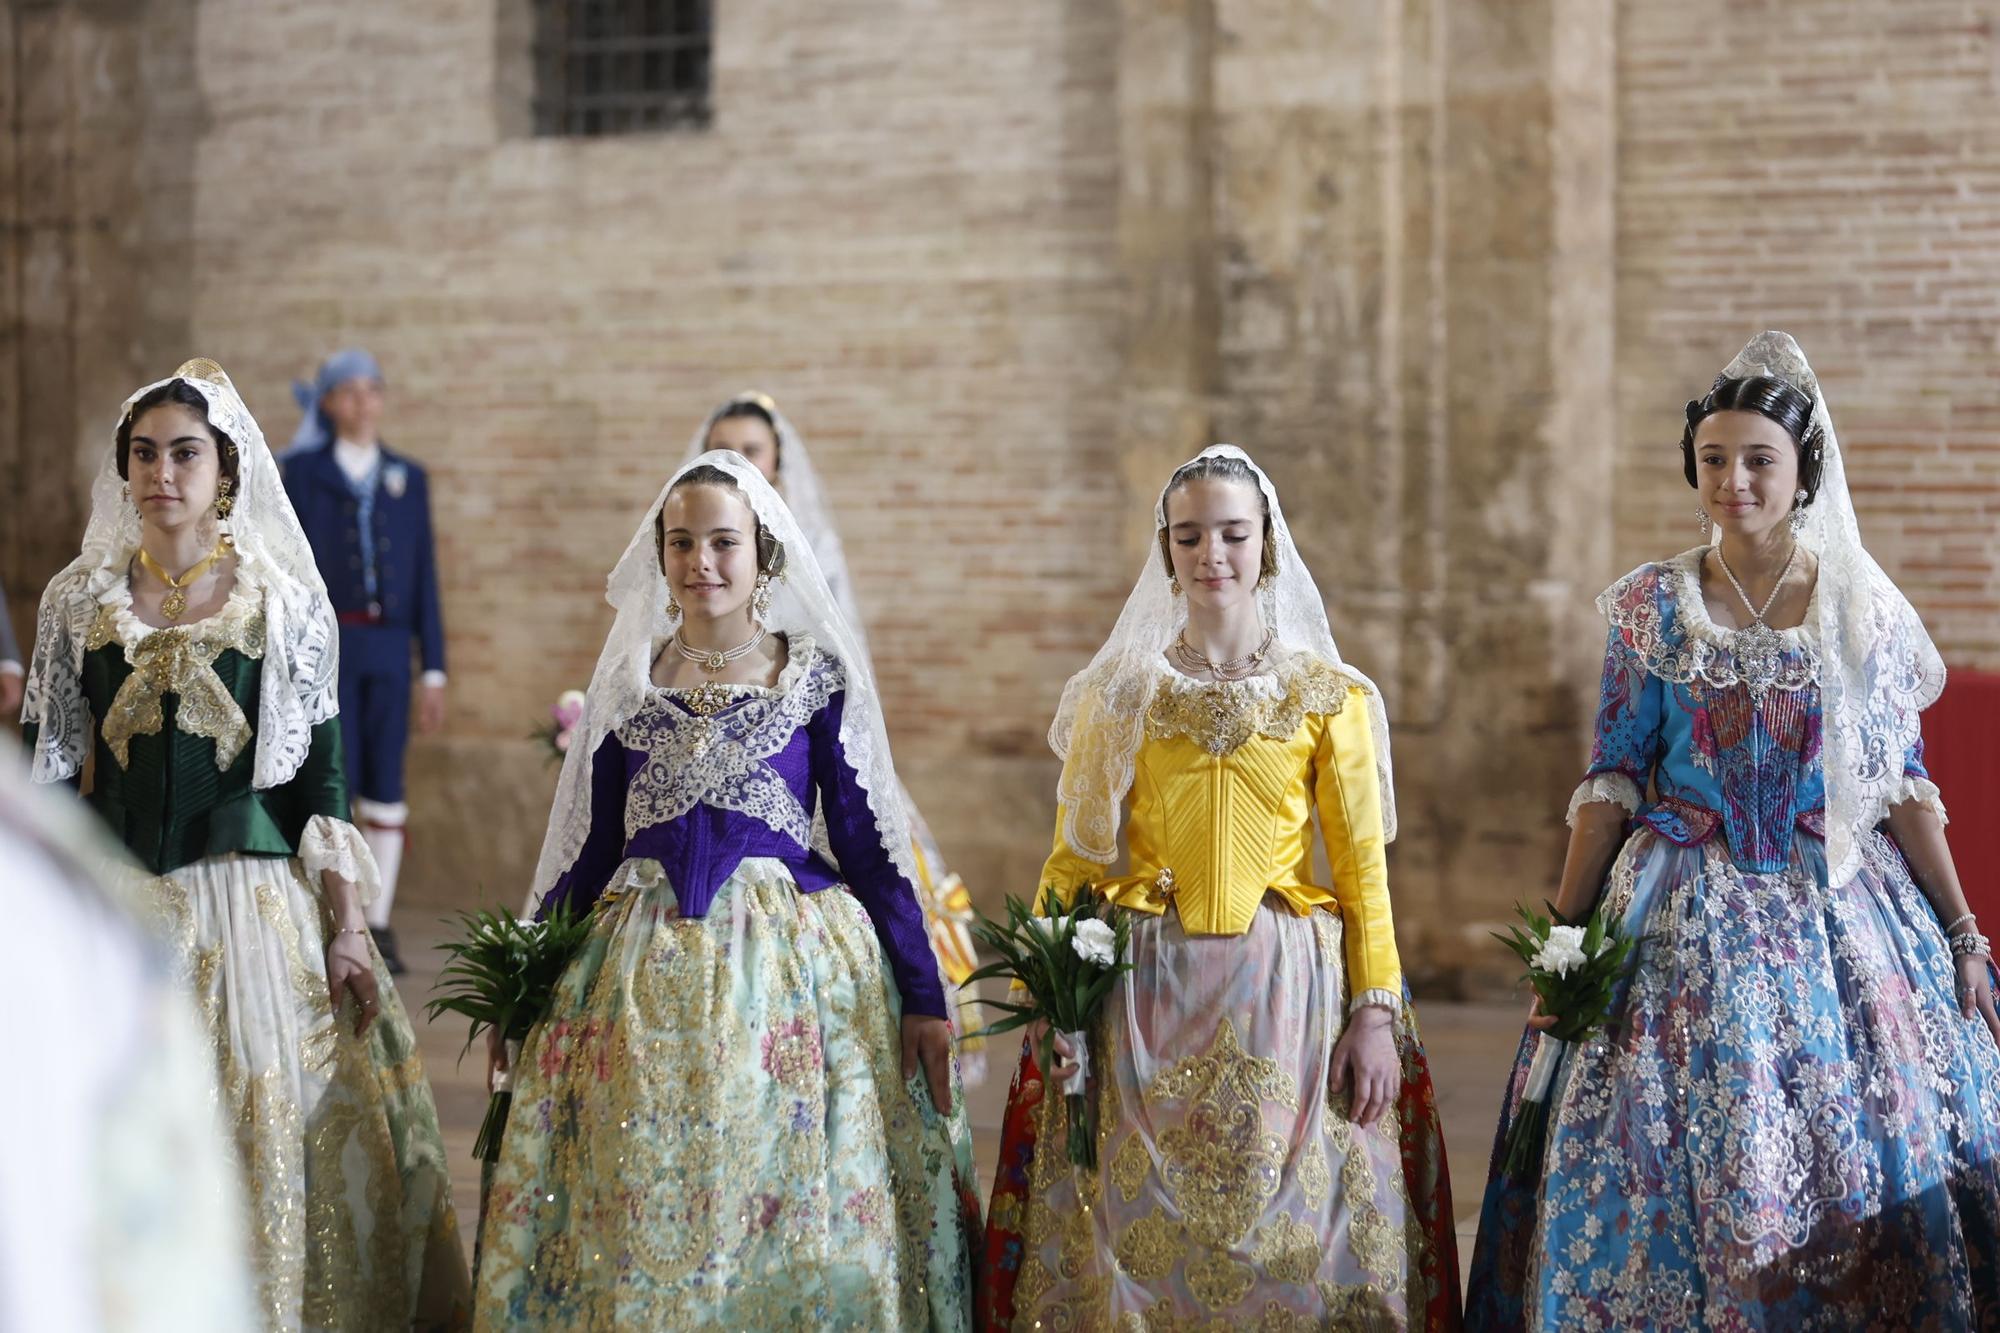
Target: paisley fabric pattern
{"type": "Point", "coordinates": [1789, 1125]}
{"type": "Point", "coordinates": [711, 1130]}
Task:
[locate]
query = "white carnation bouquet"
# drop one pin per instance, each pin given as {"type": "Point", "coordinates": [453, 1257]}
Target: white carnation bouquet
{"type": "Point", "coordinates": [1063, 964]}
{"type": "Point", "coordinates": [1573, 969]}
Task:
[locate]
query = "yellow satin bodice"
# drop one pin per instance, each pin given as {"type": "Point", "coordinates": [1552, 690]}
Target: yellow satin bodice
{"type": "Point", "coordinates": [1224, 789]}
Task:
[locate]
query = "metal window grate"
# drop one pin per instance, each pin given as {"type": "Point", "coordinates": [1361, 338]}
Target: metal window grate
{"type": "Point", "coordinates": [621, 66]}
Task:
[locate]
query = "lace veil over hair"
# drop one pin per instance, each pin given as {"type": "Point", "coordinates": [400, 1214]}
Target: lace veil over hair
{"type": "Point", "coordinates": [301, 641]}
{"type": "Point", "coordinates": [1880, 667]}
{"type": "Point", "coordinates": [1101, 721]}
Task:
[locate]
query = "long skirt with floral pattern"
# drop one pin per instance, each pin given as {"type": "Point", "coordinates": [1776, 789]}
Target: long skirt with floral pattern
{"type": "Point", "coordinates": [351, 1221]}
{"type": "Point", "coordinates": [711, 1129]}
{"type": "Point", "coordinates": [1789, 1125]}
{"type": "Point", "coordinates": [1232, 1189]}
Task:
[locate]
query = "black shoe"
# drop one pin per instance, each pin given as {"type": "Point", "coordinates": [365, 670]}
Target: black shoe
{"type": "Point", "coordinates": [385, 944]}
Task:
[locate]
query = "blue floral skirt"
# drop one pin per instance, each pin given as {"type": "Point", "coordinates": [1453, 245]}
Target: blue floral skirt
{"type": "Point", "coordinates": [711, 1130]}
{"type": "Point", "coordinates": [1789, 1125]}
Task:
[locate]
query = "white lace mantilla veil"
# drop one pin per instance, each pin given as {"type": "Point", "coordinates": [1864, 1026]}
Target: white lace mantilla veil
{"type": "Point", "coordinates": [1880, 668]}
{"type": "Point", "coordinates": [301, 642]}
{"type": "Point", "coordinates": [801, 604]}
{"type": "Point", "coordinates": [798, 484]}
{"type": "Point", "coordinates": [1101, 720]}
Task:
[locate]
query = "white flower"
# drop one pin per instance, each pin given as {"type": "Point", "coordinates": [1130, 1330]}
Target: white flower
{"type": "Point", "coordinates": [1562, 951]}
{"type": "Point", "coordinates": [1095, 942]}
{"type": "Point", "coordinates": [1045, 926]}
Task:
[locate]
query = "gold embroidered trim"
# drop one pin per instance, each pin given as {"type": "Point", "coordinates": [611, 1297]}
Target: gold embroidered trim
{"type": "Point", "coordinates": [1221, 716]}
{"type": "Point", "coordinates": [180, 661]}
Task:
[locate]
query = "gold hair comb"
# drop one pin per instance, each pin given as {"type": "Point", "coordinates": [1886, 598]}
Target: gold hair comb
{"type": "Point", "coordinates": [201, 368]}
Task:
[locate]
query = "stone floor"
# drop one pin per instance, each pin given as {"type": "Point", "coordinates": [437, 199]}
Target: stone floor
{"type": "Point", "coordinates": [1470, 1047]}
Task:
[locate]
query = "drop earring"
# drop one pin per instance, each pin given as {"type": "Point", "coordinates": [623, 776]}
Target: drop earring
{"type": "Point", "coordinates": [760, 598]}
{"type": "Point", "coordinates": [1799, 498]}
{"type": "Point", "coordinates": [673, 608]}
{"type": "Point", "coordinates": [1174, 584]}
{"type": "Point", "coordinates": [225, 499]}
{"type": "Point", "coordinates": [1701, 517]}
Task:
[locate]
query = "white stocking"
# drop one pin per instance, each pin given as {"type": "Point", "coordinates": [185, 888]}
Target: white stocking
{"type": "Point", "coordinates": [382, 829]}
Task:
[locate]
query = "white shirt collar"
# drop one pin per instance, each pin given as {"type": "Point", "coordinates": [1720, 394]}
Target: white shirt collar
{"type": "Point", "coordinates": [356, 460]}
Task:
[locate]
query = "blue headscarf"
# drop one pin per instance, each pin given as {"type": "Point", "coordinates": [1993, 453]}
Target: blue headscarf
{"type": "Point", "coordinates": [315, 429]}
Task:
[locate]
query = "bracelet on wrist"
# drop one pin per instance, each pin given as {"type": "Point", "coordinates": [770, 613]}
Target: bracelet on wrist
{"type": "Point", "coordinates": [1961, 921]}
{"type": "Point", "coordinates": [1971, 944]}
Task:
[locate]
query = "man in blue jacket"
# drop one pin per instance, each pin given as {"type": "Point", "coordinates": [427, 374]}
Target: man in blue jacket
{"type": "Point", "coordinates": [367, 513]}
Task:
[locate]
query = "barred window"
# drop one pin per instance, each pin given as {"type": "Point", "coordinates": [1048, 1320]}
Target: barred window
{"type": "Point", "coordinates": [621, 66]}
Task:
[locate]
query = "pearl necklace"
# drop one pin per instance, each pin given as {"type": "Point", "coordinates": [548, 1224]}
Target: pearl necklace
{"type": "Point", "coordinates": [715, 660]}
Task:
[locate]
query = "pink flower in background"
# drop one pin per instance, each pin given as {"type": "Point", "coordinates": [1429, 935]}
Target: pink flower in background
{"type": "Point", "coordinates": [563, 717]}
{"type": "Point", "coordinates": [568, 710]}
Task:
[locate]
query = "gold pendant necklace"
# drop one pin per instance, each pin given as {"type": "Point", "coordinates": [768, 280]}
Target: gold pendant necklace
{"type": "Point", "coordinates": [175, 604]}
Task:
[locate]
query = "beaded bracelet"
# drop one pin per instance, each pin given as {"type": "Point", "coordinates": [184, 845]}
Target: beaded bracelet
{"type": "Point", "coordinates": [1961, 921]}
{"type": "Point", "coordinates": [1971, 944]}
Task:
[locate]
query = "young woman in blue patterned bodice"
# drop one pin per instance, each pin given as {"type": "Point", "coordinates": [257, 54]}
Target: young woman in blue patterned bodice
{"type": "Point", "coordinates": [1793, 1118]}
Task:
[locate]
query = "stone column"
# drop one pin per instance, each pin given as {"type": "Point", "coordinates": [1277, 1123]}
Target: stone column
{"type": "Point", "coordinates": [97, 163]}
{"type": "Point", "coordinates": [1518, 500]}
{"type": "Point", "coordinates": [1372, 243]}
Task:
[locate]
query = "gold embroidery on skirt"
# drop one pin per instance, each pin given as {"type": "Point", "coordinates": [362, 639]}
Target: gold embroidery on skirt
{"type": "Point", "coordinates": [1219, 1281]}
{"type": "Point", "coordinates": [1374, 1239]}
{"type": "Point", "coordinates": [1151, 1246]}
{"type": "Point", "coordinates": [1129, 1167]}
{"type": "Point", "coordinates": [658, 1033]}
{"type": "Point", "coordinates": [1288, 1250]}
{"type": "Point", "coordinates": [1358, 1309]}
{"type": "Point", "coordinates": [1220, 1165]}
{"type": "Point", "coordinates": [1315, 1178]}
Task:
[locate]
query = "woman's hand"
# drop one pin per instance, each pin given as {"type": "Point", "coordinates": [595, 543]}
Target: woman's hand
{"type": "Point", "coordinates": [351, 970]}
{"type": "Point", "coordinates": [1064, 1065]}
{"type": "Point", "coordinates": [1975, 991]}
{"type": "Point", "coordinates": [927, 1041]}
{"type": "Point", "coordinates": [1365, 1059]}
{"type": "Point", "coordinates": [1538, 1020]}
{"type": "Point", "coordinates": [496, 1054]}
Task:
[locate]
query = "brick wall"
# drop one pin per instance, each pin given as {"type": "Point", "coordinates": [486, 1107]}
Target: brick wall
{"type": "Point", "coordinates": [1833, 169]}
{"type": "Point", "coordinates": [901, 225]}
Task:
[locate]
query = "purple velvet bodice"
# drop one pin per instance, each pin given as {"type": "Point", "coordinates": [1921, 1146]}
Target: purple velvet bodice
{"type": "Point", "coordinates": [702, 780]}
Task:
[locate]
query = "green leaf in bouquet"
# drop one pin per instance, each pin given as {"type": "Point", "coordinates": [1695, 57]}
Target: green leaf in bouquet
{"type": "Point", "coordinates": [994, 971]}
{"type": "Point", "coordinates": [1593, 936]}
{"type": "Point", "coordinates": [501, 972]}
